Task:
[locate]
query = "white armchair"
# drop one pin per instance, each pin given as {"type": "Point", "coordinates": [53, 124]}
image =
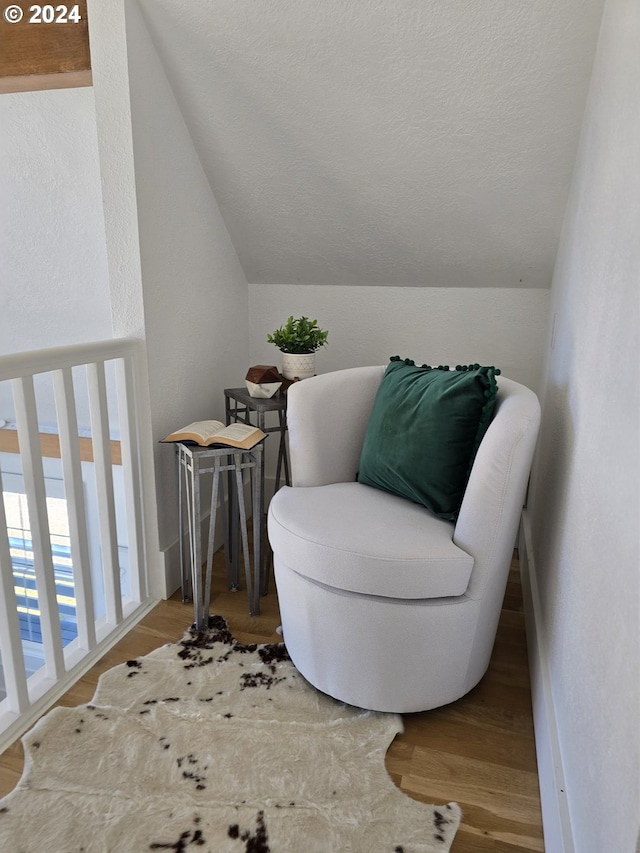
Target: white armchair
{"type": "Point", "coordinates": [384, 605]}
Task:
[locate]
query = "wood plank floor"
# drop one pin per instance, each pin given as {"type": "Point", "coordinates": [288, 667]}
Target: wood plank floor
{"type": "Point", "coordinates": [478, 751]}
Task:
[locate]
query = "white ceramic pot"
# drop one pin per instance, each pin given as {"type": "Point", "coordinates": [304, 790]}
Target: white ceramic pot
{"type": "Point", "coordinates": [298, 365]}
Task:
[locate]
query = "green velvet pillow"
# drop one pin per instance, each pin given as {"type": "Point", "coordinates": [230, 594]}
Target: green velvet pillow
{"type": "Point", "coordinates": [424, 431]}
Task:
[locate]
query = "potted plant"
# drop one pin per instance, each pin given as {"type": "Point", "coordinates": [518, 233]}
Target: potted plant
{"type": "Point", "coordinates": [298, 339]}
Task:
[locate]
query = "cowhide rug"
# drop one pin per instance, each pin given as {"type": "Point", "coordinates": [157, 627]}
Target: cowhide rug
{"type": "Point", "coordinates": [212, 745]}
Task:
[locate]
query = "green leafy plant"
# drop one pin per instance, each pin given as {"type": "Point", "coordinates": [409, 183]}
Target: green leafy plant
{"type": "Point", "coordinates": [301, 335]}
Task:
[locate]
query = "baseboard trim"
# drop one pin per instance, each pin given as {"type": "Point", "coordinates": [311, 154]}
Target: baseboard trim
{"type": "Point", "coordinates": [558, 836]}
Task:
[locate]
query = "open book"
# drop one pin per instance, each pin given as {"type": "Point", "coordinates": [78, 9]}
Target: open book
{"type": "Point", "coordinates": [243, 436]}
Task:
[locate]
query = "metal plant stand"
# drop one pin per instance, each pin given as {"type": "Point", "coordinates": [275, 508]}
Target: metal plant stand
{"type": "Point", "coordinates": [241, 407]}
{"type": "Point", "coordinates": [193, 462]}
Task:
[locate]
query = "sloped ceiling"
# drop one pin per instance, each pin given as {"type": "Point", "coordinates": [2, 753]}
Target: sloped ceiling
{"type": "Point", "coordinates": [404, 142]}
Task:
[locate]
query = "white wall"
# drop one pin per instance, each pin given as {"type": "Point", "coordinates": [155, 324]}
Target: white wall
{"type": "Point", "coordinates": [194, 290]}
{"type": "Point", "coordinates": [54, 284]}
{"type": "Point", "coordinates": [53, 264]}
{"type": "Point", "coordinates": [584, 503]}
{"type": "Point", "coordinates": [500, 326]}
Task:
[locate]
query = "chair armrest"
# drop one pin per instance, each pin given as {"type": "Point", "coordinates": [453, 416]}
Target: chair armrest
{"type": "Point", "coordinates": [327, 417]}
{"type": "Point", "coordinates": [488, 521]}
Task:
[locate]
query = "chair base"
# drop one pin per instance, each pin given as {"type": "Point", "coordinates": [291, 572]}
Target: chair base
{"type": "Point", "coordinates": [378, 653]}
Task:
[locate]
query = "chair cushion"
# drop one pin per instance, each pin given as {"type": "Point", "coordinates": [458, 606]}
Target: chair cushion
{"type": "Point", "coordinates": [424, 430]}
{"type": "Point", "coordinates": [352, 537]}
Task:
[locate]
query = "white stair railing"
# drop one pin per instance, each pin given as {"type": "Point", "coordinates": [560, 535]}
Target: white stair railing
{"type": "Point", "coordinates": [80, 400]}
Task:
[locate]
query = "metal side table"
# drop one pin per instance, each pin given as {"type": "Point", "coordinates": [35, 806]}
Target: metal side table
{"type": "Point", "coordinates": [193, 462]}
{"type": "Point", "coordinates": [241, 407]}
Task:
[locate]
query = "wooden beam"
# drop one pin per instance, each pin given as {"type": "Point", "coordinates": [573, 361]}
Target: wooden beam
{"type": "Point", "coordinates": [42, 82]}
{"type": "Point", "coordinates": [50, 446]}
{"type": "Point", "coordinates": [46, 41]}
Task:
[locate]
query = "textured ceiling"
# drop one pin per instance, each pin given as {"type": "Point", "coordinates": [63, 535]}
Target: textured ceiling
{"type": "Point", "coordinates": [405, 142]}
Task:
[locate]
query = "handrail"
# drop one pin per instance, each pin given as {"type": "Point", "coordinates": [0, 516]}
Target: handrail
{"type": "Point", "coordinates": [74, 355]}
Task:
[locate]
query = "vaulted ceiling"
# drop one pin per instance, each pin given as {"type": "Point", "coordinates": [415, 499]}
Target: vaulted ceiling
{"type": "Point", "coordinates": [396, 142]}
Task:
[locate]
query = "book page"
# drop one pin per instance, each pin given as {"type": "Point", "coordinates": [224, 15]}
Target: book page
{"type": "Point", "coordinates": [207, 429]}
{"type": "Point", "coordinates": [237, 432]}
